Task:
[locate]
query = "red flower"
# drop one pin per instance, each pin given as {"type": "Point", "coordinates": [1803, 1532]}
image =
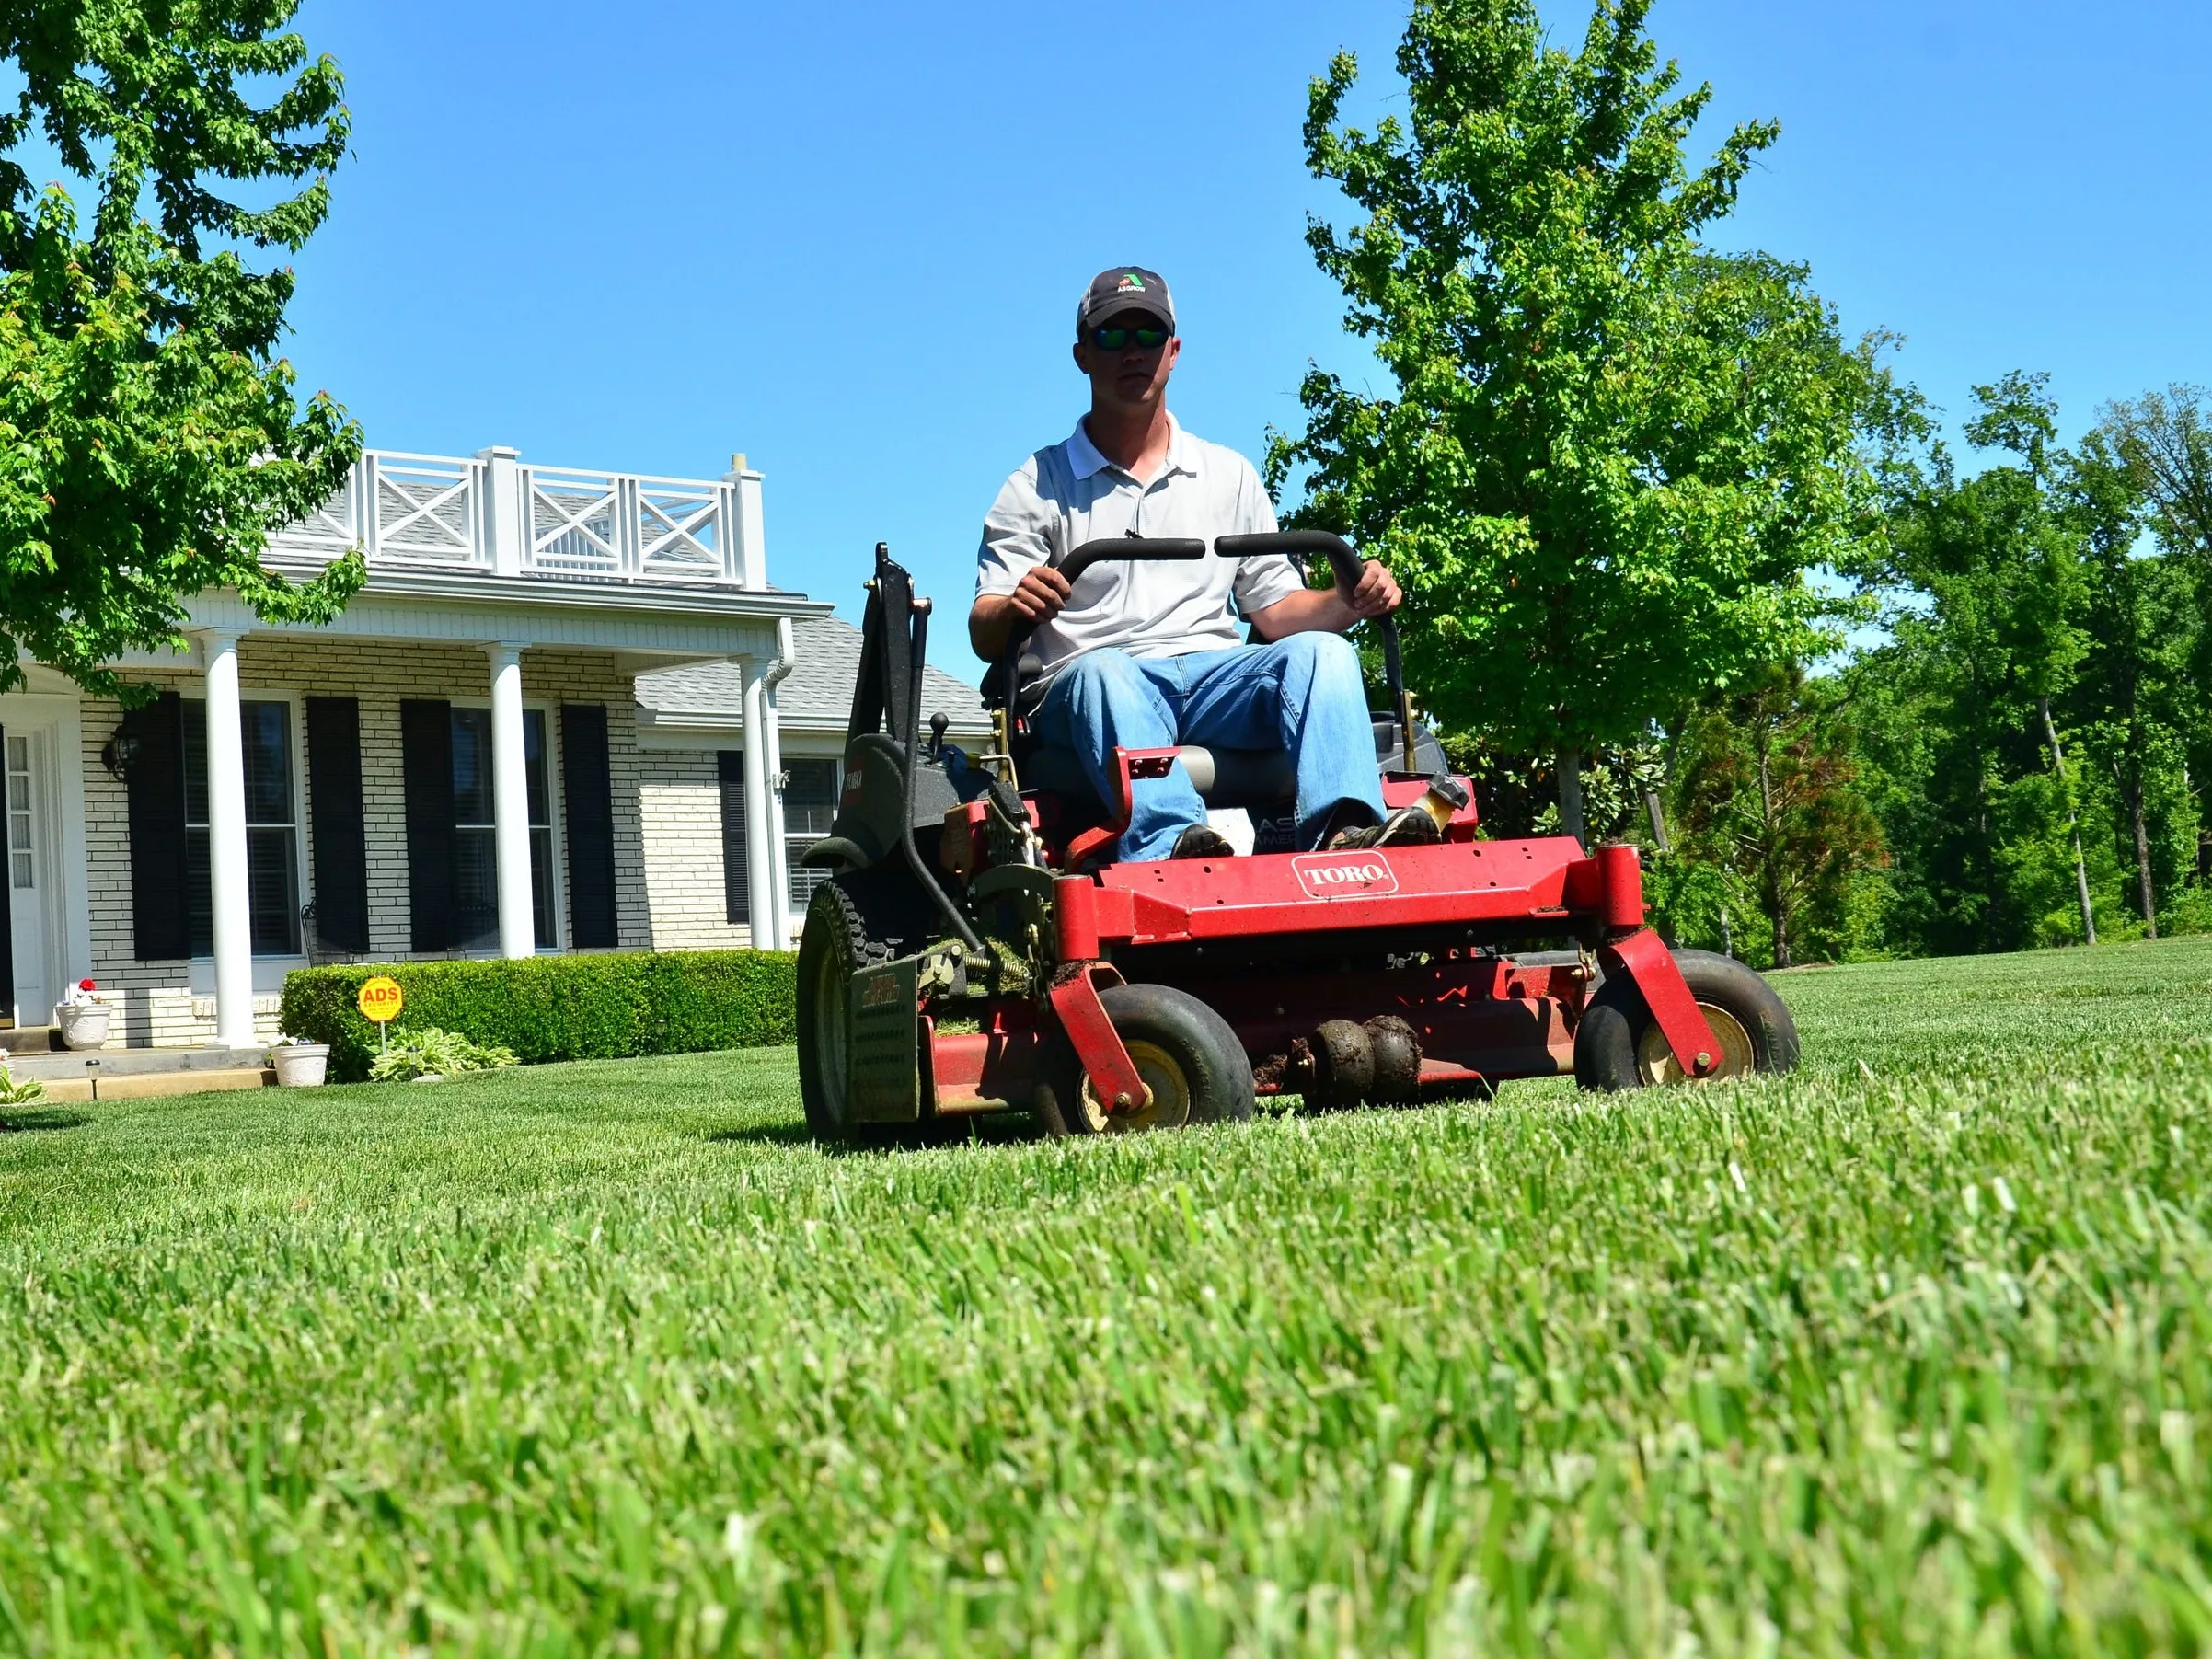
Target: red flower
{"type": "Point", "coordinates": [85, 984]}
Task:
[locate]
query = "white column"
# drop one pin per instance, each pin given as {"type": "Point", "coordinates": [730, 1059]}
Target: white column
{"type": "Point", "coordinates": [771, 927]}
{"type": "Point", "coordinates": [748, 536]}
{"type": "Point", "coordinates": [510, 802]}
{"type": "Point", "coordinates": [762, 900]}
{"type": "Point", "coordinates": [771, 725]}
{"type": "Point", "coordinates": [227, 842]}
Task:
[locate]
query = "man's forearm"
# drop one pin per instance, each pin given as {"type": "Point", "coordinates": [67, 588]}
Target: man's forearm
{"type": "Point", "coordinates": [1310, 610]}
{"type": "Point", "coordinates": [990, 625]}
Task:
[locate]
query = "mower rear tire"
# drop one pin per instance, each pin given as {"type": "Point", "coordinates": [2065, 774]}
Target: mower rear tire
{"type": "Point", "coordinates": [853, 921]}
{"type": "Point", "coordinates": [1187, 1053]}
{"type": "Point", "coordinates": [1619, 1045]}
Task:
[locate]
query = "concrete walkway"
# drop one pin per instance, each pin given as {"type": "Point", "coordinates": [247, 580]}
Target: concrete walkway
{"type": "Point", "coordinates": [129, 1074]}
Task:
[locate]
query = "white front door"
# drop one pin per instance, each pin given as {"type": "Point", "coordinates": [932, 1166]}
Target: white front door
{"type": "Point", "coordinates": [30, 855]}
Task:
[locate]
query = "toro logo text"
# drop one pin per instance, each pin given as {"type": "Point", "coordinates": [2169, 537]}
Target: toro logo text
{"type": "Point", "coordinates": [1344, 875]}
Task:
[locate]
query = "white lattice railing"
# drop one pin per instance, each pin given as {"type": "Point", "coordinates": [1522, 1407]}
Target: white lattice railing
{"type": "Point", "coordinates": [491, 513]}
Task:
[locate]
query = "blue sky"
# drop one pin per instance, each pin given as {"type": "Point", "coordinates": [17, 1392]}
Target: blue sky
{"type": "Point", "coordinates": [847, 240]}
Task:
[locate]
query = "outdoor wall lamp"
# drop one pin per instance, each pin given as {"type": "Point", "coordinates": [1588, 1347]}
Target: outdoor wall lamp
{"type": "Point", "coordinates": [120, 752]}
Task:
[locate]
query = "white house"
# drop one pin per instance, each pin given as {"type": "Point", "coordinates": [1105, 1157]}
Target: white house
{"type": "Point", "coordinates": [567, 713]}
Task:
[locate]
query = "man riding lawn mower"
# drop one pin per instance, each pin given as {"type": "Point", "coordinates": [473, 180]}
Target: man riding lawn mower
{"type": "Point", "coordinates": [1069, 934]}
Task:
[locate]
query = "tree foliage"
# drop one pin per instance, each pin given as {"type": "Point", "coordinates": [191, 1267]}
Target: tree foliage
{"type": "Point", "coordinates": [1767, 792]}
{"type": "Point", "coordinates": [2024, 733]}
{"type": "Point", "coordinates": [2164, 439]}
{"type": "Point", "coordinates": [1611, 455]}
{"type": "Point", "coordinates": [1615, 468]}
{"type": "Point", "coordinates": [150, 438]}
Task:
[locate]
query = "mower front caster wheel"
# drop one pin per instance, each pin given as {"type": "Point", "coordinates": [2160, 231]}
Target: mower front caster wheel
{"type": "Point", "coordinates": [1619, 1045]}
{"type": "Point", "coordinates": [1187, 1055]}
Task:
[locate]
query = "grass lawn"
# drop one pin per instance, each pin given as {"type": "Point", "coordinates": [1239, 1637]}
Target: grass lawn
{"type": "Point", "coordinates": [1909, 1353]}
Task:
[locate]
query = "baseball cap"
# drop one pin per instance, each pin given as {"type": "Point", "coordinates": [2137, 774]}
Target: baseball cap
{"type": "Point", "coordinates": [1125, 288]}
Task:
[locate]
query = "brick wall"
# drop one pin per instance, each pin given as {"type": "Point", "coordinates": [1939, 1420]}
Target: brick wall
{"type": "Point", "coordinates": [157, 1006]}
{"type": "Point", "coordinates": [680, 799]}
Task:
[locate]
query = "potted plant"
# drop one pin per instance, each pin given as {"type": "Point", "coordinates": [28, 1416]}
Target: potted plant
{"type": "Point", "coordinates": [299, 1064]}
{"type": "Point", "coordinates": [82, 1016]}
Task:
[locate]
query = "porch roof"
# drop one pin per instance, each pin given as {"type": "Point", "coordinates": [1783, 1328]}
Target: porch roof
{"type": "Point", "coordinates": [816, 696]}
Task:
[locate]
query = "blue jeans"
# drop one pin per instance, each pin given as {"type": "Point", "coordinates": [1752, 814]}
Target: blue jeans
{"type": "Point", "coordinates": [1302, 694]}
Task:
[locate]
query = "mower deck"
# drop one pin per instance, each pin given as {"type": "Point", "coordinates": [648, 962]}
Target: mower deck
{"type": "Point", "coordinates": [1354, 937]}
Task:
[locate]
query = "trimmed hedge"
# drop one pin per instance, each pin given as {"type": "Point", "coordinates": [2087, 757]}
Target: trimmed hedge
{"type": "Point", "coordinates": [600, 1006]}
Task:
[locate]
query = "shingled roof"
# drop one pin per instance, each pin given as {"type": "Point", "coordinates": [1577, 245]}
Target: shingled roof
{"type": "Point", "coordinates": [818, 692]}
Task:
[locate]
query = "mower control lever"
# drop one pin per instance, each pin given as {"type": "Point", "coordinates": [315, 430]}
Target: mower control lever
{"type": "Point", "coordinates": [1072, 565]}
{"type": "Point", "coordinates": [1345, 564]}
{"type": "Point", "coordinates": [1347, 567]}
{"type": "Point", "coordinates": [1126, 546]}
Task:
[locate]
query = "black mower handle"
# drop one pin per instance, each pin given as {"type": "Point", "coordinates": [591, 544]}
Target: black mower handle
{"type": "Point", "coordinates": [1347, 567]}
{"type": "Point", "coordinates": [1343, 563]}
{"type": "Point", "coordinates": [1124, 547]}
{"type": "Point", "coordinates": [1072, 565]}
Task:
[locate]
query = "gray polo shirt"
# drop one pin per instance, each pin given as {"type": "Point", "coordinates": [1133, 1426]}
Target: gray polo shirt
{"type": "Point", "coordinates": [1069, 494]}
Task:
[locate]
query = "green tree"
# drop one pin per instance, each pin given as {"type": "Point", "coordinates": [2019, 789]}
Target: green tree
{"type": "Point", "coordinates": [2165, 441]}
{"type": "Point", "coordinates": [2133, 689]}
{"type": "Point", "coordinates": [150, 439]}
{"type": "Point", "coordinates": [1611, 455]}
{"type": "Point", "coordinates": [1767, 790]}
{"type": "Point", "coordinates": [1991, 571]}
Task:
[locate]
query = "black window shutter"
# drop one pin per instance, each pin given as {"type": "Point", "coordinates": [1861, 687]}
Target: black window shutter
{"type": "Point", "coordinates": [341, 851]}
{"type": "Point", "coordinates": [7, 958]}
{"type": "Point", "coordinates": [159, 930]}
{"type": "Point", "coordinates": [588, 797]}
{"type": "Point", "coordinates": [426, 746]}
{"type": "Point", "coordinates": [736, 904]}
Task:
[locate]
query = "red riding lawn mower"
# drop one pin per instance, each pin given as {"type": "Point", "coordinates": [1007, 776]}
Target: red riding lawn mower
{"type": "Point", "coordinates": [977, 951]}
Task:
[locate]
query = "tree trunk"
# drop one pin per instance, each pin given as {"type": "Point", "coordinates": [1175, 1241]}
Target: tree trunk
{"type": "Point", "coordinates": [2073, 827]}
{"type": "Point", "coordinates": [1778, 906]}
{"type": "Point", "coordinates": [2143, 881]}
{"type": "Point", "coordinates": [1657, 811]}
{"type": "Point", "coordinates": [1570, 792]}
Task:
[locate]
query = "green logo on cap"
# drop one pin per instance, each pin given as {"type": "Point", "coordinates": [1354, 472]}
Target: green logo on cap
{"type": "Point", "coordinates": [1134, 281]}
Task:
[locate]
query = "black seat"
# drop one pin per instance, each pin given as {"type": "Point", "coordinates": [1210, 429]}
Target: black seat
{"type": "Point", "coordinates": [1223, 778]}
{"type": "Point", "coordinates": [1254, 778]}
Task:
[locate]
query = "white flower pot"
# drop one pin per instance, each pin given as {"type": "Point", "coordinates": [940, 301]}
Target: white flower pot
{"type": "Point", "coordinates": [84, 1024]}
{"type": "Point", "coordinates": [302, 1065]}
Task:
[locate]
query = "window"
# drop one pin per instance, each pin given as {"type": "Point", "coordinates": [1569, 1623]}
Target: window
{"type": "Point", "coordinates": [273, 833]}
{"type": "Point", "coordinates": [20, 873]}
{"type": "Point", "coordinates": [810, 808]}
{"type": "Point", "coordinates": [475, 865]}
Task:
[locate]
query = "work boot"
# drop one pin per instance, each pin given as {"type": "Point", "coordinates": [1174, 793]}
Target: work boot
{"type": "Point", "coordinates": [1203, 841]}
{"type": "Point", "coordinates": [1407, 827]}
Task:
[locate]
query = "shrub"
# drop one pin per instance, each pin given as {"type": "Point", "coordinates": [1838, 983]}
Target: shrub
{"type": "Point", "coordinates": [560, 1007]}
{"type": "Point", "coordinates": [431, 1053]}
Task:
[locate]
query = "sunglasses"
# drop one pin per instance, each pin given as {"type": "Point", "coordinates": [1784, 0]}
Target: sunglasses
{"type": "Point", "coordinates": [1119, 340]}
